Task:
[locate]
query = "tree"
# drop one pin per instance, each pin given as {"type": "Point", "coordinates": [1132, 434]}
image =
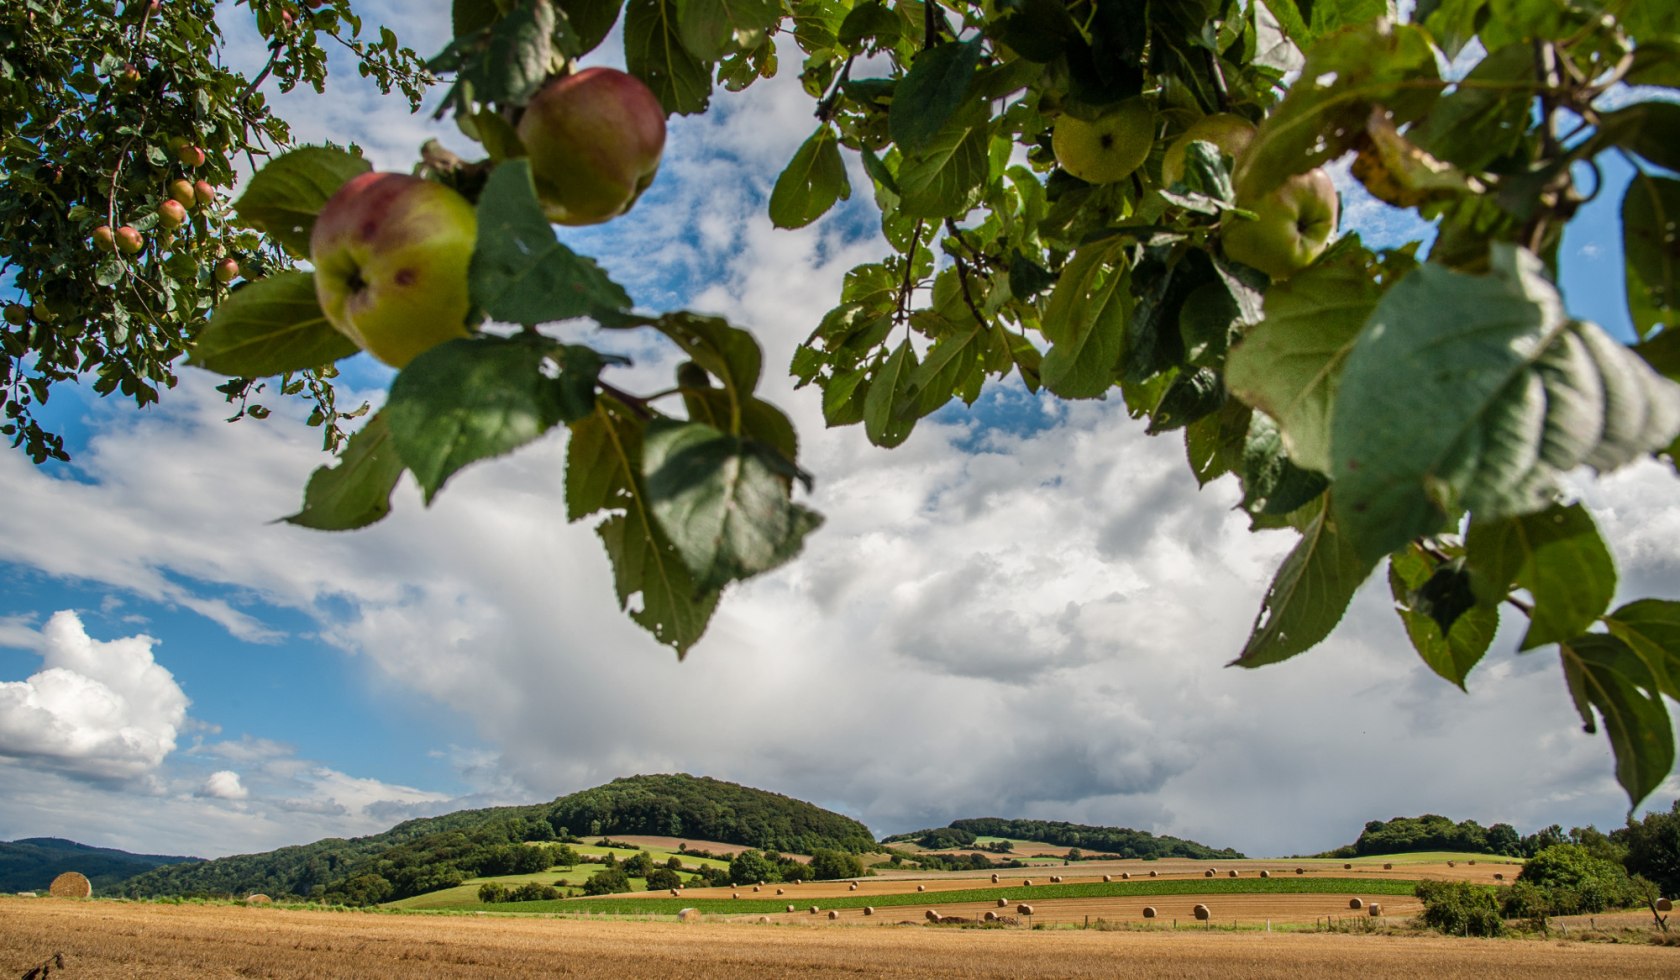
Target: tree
{"type": "Point", "coordinates": [660, 879]}
{"type": "Point", "coordinates": [1653, 848]}
{"type": "Point", "coordinates": [751, 867]}
{"type": "Point", "coordinates": [607, 881]}
{"type": "Point", "coordinates": [1572, 881]}
{"type": "Point", "coordinates": [1406, 409]}
{"type": "Point", "coordinates": [830, 865]}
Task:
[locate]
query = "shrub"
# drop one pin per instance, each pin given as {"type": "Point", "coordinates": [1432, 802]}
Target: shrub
{"type": "Point", "coordinates": [607, 881]}
{"type": "Point", "coordinates": [1570, 881]}
{"type": "Point", "coordinates": [659, 879]}
{"type": "Point", "coordinates": [1459, 908]}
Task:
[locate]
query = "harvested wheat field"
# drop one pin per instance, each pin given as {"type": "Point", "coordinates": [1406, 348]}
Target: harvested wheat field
{"type": "Point", "coordinates": [119, 940]}
{"type": "Point", "coordinates": [1227, 910]}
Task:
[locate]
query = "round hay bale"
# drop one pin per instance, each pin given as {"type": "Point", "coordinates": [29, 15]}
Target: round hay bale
{"type": "Point", "coordinates": [688, 915]}
{"type": "Point", "coordinates": [1027, 883]}
{"type": "Point", "coordinates": [1108, 877]}
{"type": "Point", "coordinates": [761, 883]}
{"type": "Point", "coordinates": [1347, 867]}
{"type": "Point", "coordinates": [1202, 913]}
{"type": "Point", "coordinates": [779, 891]}
{"type": "Point", "coordinates": [71, 884]}
{"type": "Point", "coordinates": [1232, 873]}
{"type": "Point", "coordinates": [1154, 874]}
{"type": "Point", "coordinates": [990, 916]}
{"type": "Point", "coordinates": [921, 888]}
{"type": "Point", "coordinates": [834, 913]}
{"type": "Point", "coordinates": [1376, 908]}
{"type": "Point", "coordinates": [933, 916]}
{"type": "Point", "coordinates": [1208, 873]}
{"type": "Point", "coordinates": [734, 894]}
{"type": "Point", "coordinates": [852, 887]}
{"type": "Point", "coordinates": [1497, 876]}
{"type": "Point", "coordinates": [1024, 909]}
{"type": "Point", "coordinates": [1452, 864]}
{"type": "Point", "coordinates": [258, 899]}
{"type": "Point", "coordinates": [1055, 879]}
{"type": "Point", "coordinates": [673, 893]}
{"type": "Point", "coordinates": [1003, 903]}
{"type": "Point", "coordinates": [1356, 903]}
{"type": "Point", "coordinates": [1388, 867]}
{"type": "Point", "coordinates": [815, 910]}
{"type": "Point", "coordinates": [1149, 911]}
{"type": "Point", "coordinates": [1665, 905]}
{"type": "Point", "coordinates": [764, 920]}
{"type": "Point", "coordinates": [1472, 862]}
{"type": "Point", "coordinates": [869, 910]}
{"type": "Point", "coordinates": [1125, 876]}
{"type": "Point", "coordinates": [1213, 871]}
{"type": "Point", "coordinates": [1300, 871]}
{"type": "Point", "coordinates": [756, 888]}
{"type": "Point", "coordinates": [994, 878]}
{"type": "Point", "coordinates": [790, 907]}
{"type": "Point", "coordinates": [1265, 874]}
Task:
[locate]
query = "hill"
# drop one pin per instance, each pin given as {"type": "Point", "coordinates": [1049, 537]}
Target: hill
{"type": "Point", "coordinates": [431, 853]}
{"type": "Point", "coordinates": [1087, 838]}
{"type": "Point", "coordinates": [32, 863]}
{"type": "Point", "coordinates": [1433, 832]}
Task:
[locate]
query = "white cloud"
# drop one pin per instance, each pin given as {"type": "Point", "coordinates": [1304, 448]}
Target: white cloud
{"type": "Point", "coordinates": [224, 784]}
{"type": "Point", "coordinates": [100, 709]}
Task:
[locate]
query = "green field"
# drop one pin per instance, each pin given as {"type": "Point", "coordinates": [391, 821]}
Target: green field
{"type": "Point", "coordinates": [1421, 857]}
{"type": "Point", "coordinates": [665, 905]}
{"type": "Point", "coordinates": [465, 895]}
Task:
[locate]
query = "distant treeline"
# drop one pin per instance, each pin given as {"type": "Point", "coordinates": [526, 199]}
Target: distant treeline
{"type": "Point", "coordinates": [1433, 832]}
{"type": "Point", "coordinates": [1120, 841]}
{"type": "Point", "coordinates": [31, 864]}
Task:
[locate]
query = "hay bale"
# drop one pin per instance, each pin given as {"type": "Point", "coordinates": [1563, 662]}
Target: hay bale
{"type": "Point", "coordinates": [1108, 878]}
{"type": "Point", "coordinates": [25, 894]}
{"type": "Point", "coordinates": [1024, 909]}
{"type": "Point", "coordinates": [1665, 905]}
{"type": "Point", "coordinates": [1498, 876]}
{"type": "Point", "coordinates": [990, 917]}
{"type": "Point", "coordinates": [1300, 871]}
{"type": "Point", "coordinates": [688, 915]}
{"type": "Point", "coordinates": [1027, 883]}
{"type": "Point", "coordinates": [756, 888]}
{"type": "Point", "coordinates": [1452, 864]}
{"type": "Point", "coordinates": [1125, 876]}
{"type": "Point", "coordinates": [1265, 874]}
{"type": "Point", "coordinates": [790, 907]}
{"type": "Point", "coordinates": [1356, 903]}
{"type": "Point", "coordinates": [869, 910]}
{"type": "Point", "coordinates": [921, 888]}
{"type": "Point", "coordinates": [815, 910]}
{"type": "Point", "coordinates": [1208, 873]}
{"type": "Point", "coordinates": [834, 913]}
{"type": "Point", "coordinates": [1376, 908]}
{"type": "Point", "coordinates": [994, 878]}
{"type": "Point", "coordinates": [674, 893]}
{"type": "Point", "coordinates": [852, 887]}
{"type": "Point", "coordinates": [1347, 867]}
{"type": "Point", "coordinates": [779, 891]}
{"type": "Point", "coordinates": [1154, 874]}
{"type": "Point", "coordinates": [764, 920]}
{"type": "Point", "coordinates": [734, 894]}
{"type": "Point", "coordinates": [1003, 903]}
{"type": "Point", "coordinates": [1149, 911]}
{"type": "Point", "coordinates": [1202, 913]}
{"type": "Point", "coordinates": [1055, 879]}
{"type": "Point", "coordinates": [258, 899]}
{"type": "Point", "coordinates": [71, 884]}
{"type": "Point", "coordinates": [1212, 872]}
{"type": "Point", "coordinates": [1472, 862]}
{"type": "Point", "coordinates": [761, 883]}
{"type": "Point", "coordinates": [933, 916]}
{"type": "Point", "coordinates": [1232, 873]}
{"type": "Point", "coordinates": [1388, 867]}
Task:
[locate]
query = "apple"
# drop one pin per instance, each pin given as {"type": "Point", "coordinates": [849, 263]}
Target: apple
{"type": "Point", "coordinates": [182, 191]}
{"type": "Point", "coordinates": [594, 141]}
{"type": "Point", "coordinates": [104, 239]}
{"type": "Point", "coordinates": [16, 314]}
{"type": "Point", "coordinates": [172, 214]}
{"type": "Point", "coordinates": [204, 195]}
{"type": "Point", "coordinates": [1108, 148]}
{"type": "Point", "coordinates": [391, 253]}
{"type": "Point", "coordinates": [129, 240]}
{"type": "Point", "coordinates": [189, 155]}
{"type": "Point", "coordinates": [227, 270]}
{"type": "Point", "coordinates": [127, 76]}
{"type": "Point", "coordinates": [1231, 133]}
{"type": "Point", "coordinates": [1292, 225]}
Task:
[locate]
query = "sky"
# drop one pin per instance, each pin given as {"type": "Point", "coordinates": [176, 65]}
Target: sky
{"type": "Point", "coordinates": [1025, 611]}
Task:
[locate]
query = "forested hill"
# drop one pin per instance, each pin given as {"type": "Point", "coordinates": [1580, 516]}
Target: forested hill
{"type": "Point", "coordinates": [1089, 839]}
{"type": "Point", "coordinates": [439, 852]}
{"type": "Point", "coordinates": [31, 864]}
{"type": "Point", "coordinates": [1433, 832]}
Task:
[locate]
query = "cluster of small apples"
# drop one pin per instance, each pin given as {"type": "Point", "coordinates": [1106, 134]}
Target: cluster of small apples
{"type": "Point", "coordinates": [182, 197]}
{"type": "Point", "coordinates": [391, 251]}
{"type": "Point", "coordinates": [1292, 225]}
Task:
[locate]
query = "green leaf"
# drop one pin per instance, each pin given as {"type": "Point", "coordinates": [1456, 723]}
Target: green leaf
{"type": "Point", "coordinates": [283, 198]}
{"type": "Point", "coordinates": [1558, 556]}
{"type": "Point", "coordinates": [603, 474]}
{"type": "Point", "coordinates": [889, 409]}
{"type": "Point", "coordinates": [1272, 483]}
{"type": "Point", "coordinates": [1214, 444]}
{"type": "Point", "coordinates": [268, 327]}
{"type": "Point", "coordinates": [954, 367]}
{"type": "Point", "coordinates": [930, 93]}
{"type": "Point", "coordinates": [1290, 364]}
{"type": "Point", "coordinates": [1605, 675]}
{"type": "Point", "coordinates": [520, 272]}
{"type": "Point", "coordinates": [654, 52]}
{"type": "Point", "coordinates": [720, 503]}
{"type": "Point", "coordinates": [1497, 395]}
{"type": "Point", "coordinates": [1651, 250]}
{"type": "Point", "coordinates": [946, 178]}
{"type": "Point", "coordinates": [357, 491]}
{"type": "Point", "coordinates": [727, 353]}
{"type": "Point", "coordinates": [1194, 393]}
{"type": "Point", "coordinates": [1085, 322]}
{"type": "Point", "coordinates": [711, 29]}
{"type": "Point", "coordinates": [1486, 116]}
{"type": "Point", "coordinates": [519, 56]}
{"type": "Point", "coordinates": [1651, 629]}
{"type": "Point", "coordinates": [471, 16]}
{"type": "Point", "coordinates": [467, 400]}
{"type": "Point", "coordinates": [591, 20]}
{"type": "Point", "coordinates": [812, 182]}
{"type": "Point", "coordinates": [1308, 596]}
{"type": "Point", "coordinates": [1467, 636]}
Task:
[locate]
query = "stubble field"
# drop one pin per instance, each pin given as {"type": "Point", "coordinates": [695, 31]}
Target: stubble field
{"type": "Point", "coordinates": [120, 940]}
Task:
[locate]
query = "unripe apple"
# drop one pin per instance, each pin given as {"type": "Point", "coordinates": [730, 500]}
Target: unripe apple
{"type": "Point", "coordinates": [1231, 133]}
{"type": "Point", "coordinates": [129, 240]}
{"type": "Point", "coordinates": [594, 141]}
{"type": "Point", "coordinates": [104, 239]}
{"type": "Point", "coordinates": [16, 315]}
{"type": "Point", "coordinates": [391, 253]}
{"type": "Point", "coordinates": [182, 191]}
{"type": "Point", "coordinates": [190, 155]}
{"type": "Point", "coordinates": [204, 194]}
{"type": "Point", "coordinates": [227, 270]}
{"type": "Point", "coordinates": [1292, 228]}
{"type": "Point", "coordinates": [1109, 148]}
{"type": "Point", "coordinates": [172, 214]}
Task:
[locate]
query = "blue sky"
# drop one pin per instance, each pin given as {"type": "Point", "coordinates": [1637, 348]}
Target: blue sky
{"type": "Point", "coordinates": [1022, 612]}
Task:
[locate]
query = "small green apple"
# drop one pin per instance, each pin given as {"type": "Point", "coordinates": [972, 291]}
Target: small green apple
{"type": "Point", "coordinates": [16, 314]}
{"type": "Point", "coordinates": [1292, 228]}
{"type": "Point", "coordinates": [1107, 149]}
{"type": "Point", "coordinates": [171, 214]}
{"type": "Point", "coordinates": [391, 253]}
{"type": "Point", "coordinates": [594, 140]}
{"type": "Point", "coordinates": [104, 239]}
{"type": "Point", "coordinates": [182, 191]}
{"type": "Point", "coordinates": [129, 240]}
{"type": "Point", "coordinates": [1231, 133]}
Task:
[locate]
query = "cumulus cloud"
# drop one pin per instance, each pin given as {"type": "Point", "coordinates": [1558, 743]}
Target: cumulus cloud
{"type": "Point", "coordinates": [224, 784]}
{"type": "Point", "coordinates": [102, 709]}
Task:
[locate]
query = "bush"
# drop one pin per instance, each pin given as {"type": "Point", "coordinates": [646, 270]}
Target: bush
{"type": "Point", "coordinates": [1570, 881]}
{"type": "Point", "coordinates": [829, 865]}
{"type": "Point", "coordinates": [607, 881]}
{"type": "Point", "coordinates": [659, 879]}
{"type": "Point", "coordinates": [1459, 908]}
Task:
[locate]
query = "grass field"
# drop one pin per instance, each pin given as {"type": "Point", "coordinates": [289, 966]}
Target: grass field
{"type": "Point", "coordinates": [102, 940]}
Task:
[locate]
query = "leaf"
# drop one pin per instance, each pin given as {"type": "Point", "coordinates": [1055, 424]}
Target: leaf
{"type": "Point", "coordinates": [1604, 675]}
{"type": "Point", "coordinates": [723, 507]}
{"type": "Point", "coordinates": [1290, 363]}
{"type": "Point", "coordinates": [1085, 322]}
{"type": "Point", "coordinates": [727, 353]}
{"type": "Point", "coordinates": [654, 52]}
{"type": "Point", "coordinates": [1194, 394]}
{"type": "Point", "coordinates": [467, 400]}
{"type": "Point", "coordinates": [357, 491]}
{"type": "Point", "coordinates": [471, 16]}
{"type": "Point", "coordinates": [603, 473]}
{"type": "Point", "coordinates": [889, 409]}
{"type": "Point", "coordinates": [520, 272]}
{"type": "Point", "coordinates": [1499, 396]}
{"type": "Point", "coordinates": [1486, 115]}
{"type": "Point", "coordinates": [929, 94]}
{"type": "Point", "coordinates": [711, 29]}
{"type": "Point", "coordinates": [1272, 483]}
{"type": "Point", "coordinates": [946, 178]}
{"type": "Point", "coordinates": [1308, 596]}
{"type": "Point", "coordinates": [519, 56]}
{"type": "Point", "coordinates": [1651, 250]}
{"type": "Point", "coordinates": [1214, 444]}
{"type": "Point", "coordinates": [812, 182]}
{"type": "Point", "coordinates": [1650, 129]}
{"type": "Point", "coordinates": [1418, 586]}
{"type": "Point", "coordinates": [1651, 629]}
{"type": "Point", "coordinates": [1558, 556]}
{"type": "Point", "coordinates": [591, 20]}
{"type": "Point", "coordinates": [268, 327]}
{"type": "Point", "coordinates": [283, 198]}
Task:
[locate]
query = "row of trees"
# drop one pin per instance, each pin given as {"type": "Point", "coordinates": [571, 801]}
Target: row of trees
{"type": "Point", "coordinates": [1123, 841]}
